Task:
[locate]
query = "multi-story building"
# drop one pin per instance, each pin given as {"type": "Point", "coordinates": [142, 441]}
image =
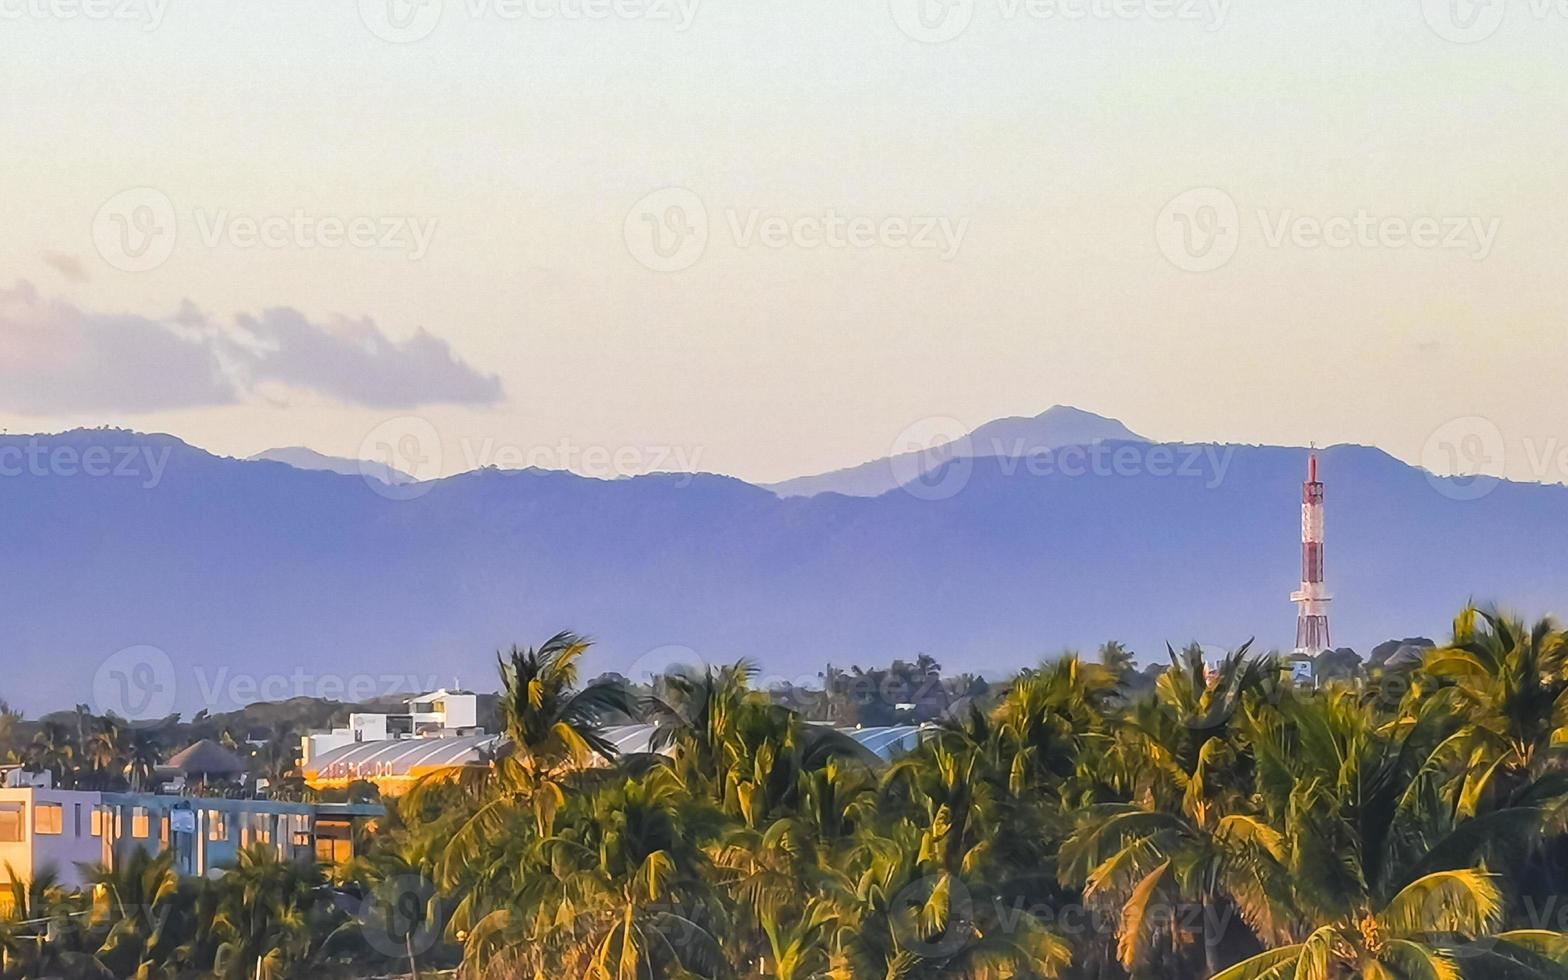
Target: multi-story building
{"type": "Point", "coordinates": [64, 829]}
{"type": "Point", "coordinates": [440, 714]}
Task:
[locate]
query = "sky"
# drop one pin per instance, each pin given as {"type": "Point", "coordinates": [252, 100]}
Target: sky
{"type": "Point", "coordinates": [770, 239]}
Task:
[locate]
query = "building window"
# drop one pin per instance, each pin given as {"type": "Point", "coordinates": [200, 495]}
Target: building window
{"type": "Point", "coordinates": [76, 820]}
{"type": "Point", "coordinates": [140, 824]}
{"type": "Point", "coordinates": [334, 851]}
{"type": "Point", "coordinates": [11, 823]}
{"type": "Point", "coordinates": [264, 829]}
{"type": "Point", "coordinates": [49, 818]}
{"type": "Point", "coordinates": [97, 828]}
{"type": "Point", "coordinates": [217, 825]}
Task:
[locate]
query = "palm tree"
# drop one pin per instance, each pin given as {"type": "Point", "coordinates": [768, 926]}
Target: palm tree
{"type": "Point", "coordinates": [143, 754]}
{"type": "Point", "coordinates": [1412, 936]}
{"type": "Point", "coordinates": [1117, 659]}
{"type": "Point", "coordinates": [1512, 687]}
{"type": "Point", "coordinates": [150, 913]}
{"type": "Point", "coordinates": [9, 721]}
{"type": "Point", "coordinates": [105, 750]}
{"type": "Point", "coordinates": [41, 928]}
{"type": "Point", "coordinates": [1190, 837]}
{"type": "Point", "coordinates": [53, 751]}
{"type": "Point", "coordinates": [270, 916]}
{"type": "Point", "coordinates": [617, 892]}
{"type": "Point", "coordinates": [552, 734]}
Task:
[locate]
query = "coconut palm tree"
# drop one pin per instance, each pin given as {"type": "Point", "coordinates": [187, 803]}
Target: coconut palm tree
{"type": "Point", "coordinates": [55, 752]}
{"type": "Point", "coordinates": [1414, 935]}
{"type": "Point", "coordinates": [1511, 685]}
{"type": "Point", "coordinates": [105, 750]}
{"type": "Point", "coordinates": [149, 913]}
{"type": "Point", "coordinates": [269, 917]}
{"type": "Point", "coordinates": [143, 755]}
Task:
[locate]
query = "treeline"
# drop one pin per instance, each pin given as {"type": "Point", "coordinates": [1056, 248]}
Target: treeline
{"type": "Point", "coordinates": [1404, 820]}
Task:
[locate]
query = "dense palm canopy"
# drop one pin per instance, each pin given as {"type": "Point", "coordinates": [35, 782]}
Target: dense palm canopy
{"type": "Point", "coordinates": [1087, 820]}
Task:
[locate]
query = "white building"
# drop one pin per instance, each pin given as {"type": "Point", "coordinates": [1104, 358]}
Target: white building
{"type": "Point", "coordinates": [49, 829]}
{"type": "Point", "coordinates": [440, 714]}
{"type": "Point", "coordinates": [60, 830]}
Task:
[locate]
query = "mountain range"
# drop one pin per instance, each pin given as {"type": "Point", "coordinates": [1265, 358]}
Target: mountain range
{"type": "Point", "coordinates": [260, 580]}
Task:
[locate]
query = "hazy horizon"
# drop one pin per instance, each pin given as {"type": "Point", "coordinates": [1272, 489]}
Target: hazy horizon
{"type": "Point", "coordinates": [779, 239]}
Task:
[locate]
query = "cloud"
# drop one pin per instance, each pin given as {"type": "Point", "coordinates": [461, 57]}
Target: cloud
{"type": "Point", "coordinates": [68, 266]}
{"type": "Point", "coordinates": [56, 359]}
{"type": "Point", "coordinates": [355, 362]}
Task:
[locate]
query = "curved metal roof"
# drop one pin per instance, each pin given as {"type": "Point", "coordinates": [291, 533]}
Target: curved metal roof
{"type": "Point", "coordinates": [403, 758]}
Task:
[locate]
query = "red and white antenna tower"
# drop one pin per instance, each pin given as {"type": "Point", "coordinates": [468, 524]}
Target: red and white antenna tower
{"type": "Point", "coordinates": [1312, 600]}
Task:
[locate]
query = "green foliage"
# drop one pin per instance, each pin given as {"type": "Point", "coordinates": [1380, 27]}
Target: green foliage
{"type": "Point", "coordinates": [1090, 820]}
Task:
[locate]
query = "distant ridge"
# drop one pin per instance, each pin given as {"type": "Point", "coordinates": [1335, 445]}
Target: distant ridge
{"type": "Point", "coordinates": [1008, 438]}
{"type": "Point", "coordinates": [308, 459]}
{"type": "Point", "coordinates": [257, 580]}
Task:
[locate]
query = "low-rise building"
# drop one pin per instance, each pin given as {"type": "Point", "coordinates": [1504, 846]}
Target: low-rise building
{"type": "Point", "coordinates": [64, 830]}
{"type": "Point", "coordinates": [439, 714]}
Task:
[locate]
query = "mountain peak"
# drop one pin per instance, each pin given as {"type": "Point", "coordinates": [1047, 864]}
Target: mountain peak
{"type": "Point", "coordinates": [1011, 437]}
{"type": "Point", "coordinates": [1057, 426]}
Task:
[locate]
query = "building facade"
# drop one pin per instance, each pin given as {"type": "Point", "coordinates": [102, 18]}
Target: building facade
{"type": "Point", "coordinates": [63, 830]}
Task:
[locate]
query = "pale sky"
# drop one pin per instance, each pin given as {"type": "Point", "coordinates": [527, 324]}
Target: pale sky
{"type": "Point", "coordinates": [515, 161]}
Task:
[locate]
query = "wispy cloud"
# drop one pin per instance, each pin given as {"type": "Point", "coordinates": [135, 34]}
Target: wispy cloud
{"type": "Point", "coordinates": [68, 266]}
{"type": "Point", "coordinates": [355, 362]}
{"type": "Point", "coordinates": [56, 358]}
